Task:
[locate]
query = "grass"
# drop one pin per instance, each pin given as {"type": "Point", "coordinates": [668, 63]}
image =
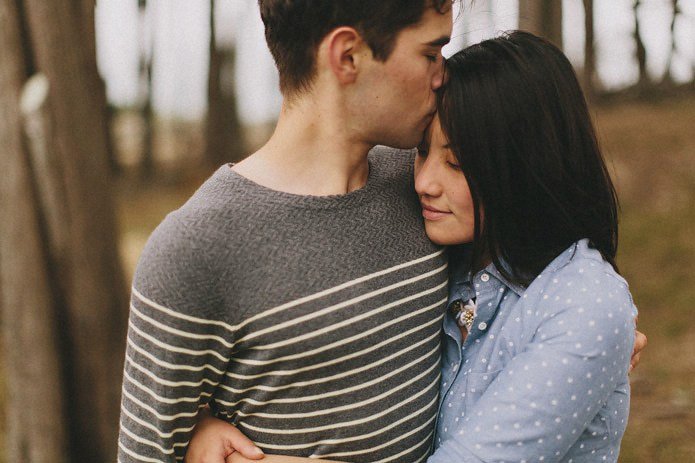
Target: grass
{"type": "Point", "coordinates": [652, 149]}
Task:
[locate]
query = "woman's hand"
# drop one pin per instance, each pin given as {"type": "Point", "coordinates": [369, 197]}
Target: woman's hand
{"type": "Point", "coordinates": [640, 344]}
{"type": "Point", "coordinates": [214, 440]}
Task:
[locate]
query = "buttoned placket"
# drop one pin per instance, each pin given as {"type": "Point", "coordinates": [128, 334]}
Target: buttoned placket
{"type": "Point", "coordinates": [486, 290]}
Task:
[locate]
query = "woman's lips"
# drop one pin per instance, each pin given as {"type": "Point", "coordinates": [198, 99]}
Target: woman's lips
{"type": "Point", "coordinates": [431, 213]}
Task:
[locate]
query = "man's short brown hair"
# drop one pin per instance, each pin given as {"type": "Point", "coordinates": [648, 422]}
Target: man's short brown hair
{"type": "Point", "coordinates": [294, 29]}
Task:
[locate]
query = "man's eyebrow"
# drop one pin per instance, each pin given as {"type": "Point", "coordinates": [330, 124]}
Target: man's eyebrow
{"type": "Point", "coordinates": [440, 42]}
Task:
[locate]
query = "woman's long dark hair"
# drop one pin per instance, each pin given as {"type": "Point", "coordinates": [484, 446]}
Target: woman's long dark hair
{"type": "Point", "coordinates": [516, 118]}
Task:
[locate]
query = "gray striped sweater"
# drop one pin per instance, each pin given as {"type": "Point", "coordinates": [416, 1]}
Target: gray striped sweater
{"type": "Point", "coordinates": [311, 323]}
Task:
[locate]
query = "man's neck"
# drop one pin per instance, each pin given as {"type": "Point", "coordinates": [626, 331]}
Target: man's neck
{"type": "Point", "coordinates": [313, 151]}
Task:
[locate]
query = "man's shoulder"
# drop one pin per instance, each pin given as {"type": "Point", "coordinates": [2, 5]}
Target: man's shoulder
{"type": "Point", "coordinates": [191, 234]}
{"type": "Point", "coordinates": [394, 160]}
{"type": "Point", "coordinates": [393, 166]}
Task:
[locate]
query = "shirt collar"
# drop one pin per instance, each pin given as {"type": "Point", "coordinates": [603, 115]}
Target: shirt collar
{"type": "Point", "coordinates": [460, 273]}
{"type": "Point", "coordinates": [460, 286]}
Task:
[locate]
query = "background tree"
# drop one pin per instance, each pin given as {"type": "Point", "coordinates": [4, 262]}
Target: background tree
{"type": "Point", "coordinates": [224, 141]}
{"type": "Point", "coordinates": [676, 11]}
{"type": "Point", "coordinates": [30, 345]}
{"type": "Point", "coordinates": [589, 71]}
{"type": "Point", "coordinates": [640, 50]}
{"type": "Point", "coordinates": [63, 297]}
{"type": "Point", "coordinates": [84, 12]}
{"type": "Point", "coordinates": [146, 40]}
{"type": "Point", "coordinates": [543, 18]}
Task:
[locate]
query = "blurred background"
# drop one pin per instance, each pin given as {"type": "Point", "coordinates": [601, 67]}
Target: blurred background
{"type": "Point", "coordinates": [112, 113]}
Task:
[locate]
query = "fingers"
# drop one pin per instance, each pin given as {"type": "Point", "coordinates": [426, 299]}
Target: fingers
{"type": "Point", "coordinates": [237, 441]}
{"type": "Point", "coordinates": [640, 344]}
{"type": "Point", "coordinates": [640, 341]}
{"type": "Point", "coordinates": [634, 362]}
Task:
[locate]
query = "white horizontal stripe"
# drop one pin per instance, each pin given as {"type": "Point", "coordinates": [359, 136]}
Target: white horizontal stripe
{"type": "Point", "coordinates": [353, 438]}
{"type": "Point", "coordinates": [273, 388]}
{"type": "Point", "coordinates": [165, 435]}
{"type": "Point", "coordinates": [328, 329]}
{"type": "Point", "coordinates": [171, 348]}
{"type": "Point", "coordinates": [159, 398]}
{"type": "Point", "coordinates": [360, 352]}
{"type": "Point", "coordinates": [345, 424]}
{"type": "Point", "coordinates": [171, 366]}
{"type": "Point", "coordinates": [138, 456]}
{"type": "Point", "coordinates": [351, 406]}
{"type": "Point", "coordinates": [406, 451]}
{"type": "Point", "coordinates": [350, 339]}
{"type": "Point", "coordinates": [140, 440]}
{"type": "Point", "coordinates": [382, 446]}
{"type": "Point", "coordinates": [333, 308]}
{"type": "Point", "coordinates": [152, 410]}
{"type": "Point", "coordinates": [322, 379]}
{"type": "Point", "coordinates": [185, 334]}
{"type": "Point", "coordinates": [326, 292]}
{"type": "Point", "coordinates": [349, 321]}
{"type": "Point", "coordinates": [166, 382]}
{"type": "Point", "coordinates": [238, 376]}
{"type": "Point", "coordinates": [354, 388]}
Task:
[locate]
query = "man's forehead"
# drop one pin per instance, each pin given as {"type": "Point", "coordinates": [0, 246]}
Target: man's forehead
{"type": "Point", "coordinates": [434, 28]}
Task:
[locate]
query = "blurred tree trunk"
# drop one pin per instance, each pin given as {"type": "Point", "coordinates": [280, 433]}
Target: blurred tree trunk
{"type": "Point", "coordinates": [640, 50]}
{"type": "Point", "coordinates": [223, 135]}
{"type": "Point", "coordinates": [543, 18]}
{"type": "Point", "coordinates": [589, 50]}
{"type": "Point", "coordinates": [146, 38]}
{"type": "Point", "coordinates": [30, 347]}
{"type": "Point", "coordinates": [85, 13]}
{"type": "Point", "coordinates": [60, 272]}
{"type": "Point", "coordinates": [668, 77]}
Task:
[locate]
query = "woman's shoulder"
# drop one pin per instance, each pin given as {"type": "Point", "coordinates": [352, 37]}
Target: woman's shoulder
{"type": "Point", "coordinates": [581, 279]}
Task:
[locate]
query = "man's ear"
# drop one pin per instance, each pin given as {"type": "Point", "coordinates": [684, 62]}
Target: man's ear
{"type": "Point", "coordinates": [344, 47]}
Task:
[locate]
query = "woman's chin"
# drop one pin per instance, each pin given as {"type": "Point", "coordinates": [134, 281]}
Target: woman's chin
{"type": "Point", "coordinates": [446, 237]}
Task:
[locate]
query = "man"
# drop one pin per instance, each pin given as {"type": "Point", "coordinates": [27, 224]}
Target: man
{"type": "Point", "coordinates": [295, 293]}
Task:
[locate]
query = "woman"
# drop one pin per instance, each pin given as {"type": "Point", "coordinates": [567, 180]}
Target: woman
{"type": "Point", "coordinates": [540, 328]}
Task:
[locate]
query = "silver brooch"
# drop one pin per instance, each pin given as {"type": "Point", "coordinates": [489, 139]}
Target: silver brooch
{"type": "Point", "coordinates": [464, 313]}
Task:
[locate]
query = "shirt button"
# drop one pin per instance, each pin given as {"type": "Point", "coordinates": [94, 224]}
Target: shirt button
{"type": "Point", "coordinates": [485, 277]}
{"type": "Point", "coordinates": [482, 326]}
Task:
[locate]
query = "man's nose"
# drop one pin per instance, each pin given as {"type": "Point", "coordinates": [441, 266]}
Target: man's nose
{"type": "Point", "coordinates": [438, 78]}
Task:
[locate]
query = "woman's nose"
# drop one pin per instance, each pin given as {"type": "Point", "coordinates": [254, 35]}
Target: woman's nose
{"type": "Point", "coordinates": [426, 182]}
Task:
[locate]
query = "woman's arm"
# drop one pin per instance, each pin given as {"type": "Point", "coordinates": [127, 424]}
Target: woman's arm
{"type": "Point", "coordinates": [542, 401]}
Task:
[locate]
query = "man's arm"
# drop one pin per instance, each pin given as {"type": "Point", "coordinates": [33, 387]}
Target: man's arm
{"type": "Point", "coordinates": [177, 352]}
{"type": "Point", "coordinates": [237, 458]}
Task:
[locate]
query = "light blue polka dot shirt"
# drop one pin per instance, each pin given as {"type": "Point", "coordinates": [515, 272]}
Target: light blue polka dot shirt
{"type": "Point", "coordinates": [542, 375]}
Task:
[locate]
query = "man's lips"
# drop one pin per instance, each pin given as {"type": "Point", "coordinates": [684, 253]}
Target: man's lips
{"type": "Point", "coordinates": [432, 213]}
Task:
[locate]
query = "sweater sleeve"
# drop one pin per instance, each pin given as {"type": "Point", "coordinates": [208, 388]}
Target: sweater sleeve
{"type": "Point", "coordinates": [544, 399]}
{"type": "Point", "coordinates": [178, 346]}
